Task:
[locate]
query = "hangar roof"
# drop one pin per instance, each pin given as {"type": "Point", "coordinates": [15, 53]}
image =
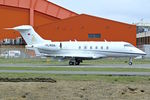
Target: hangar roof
{"type": "Point", "coordinates": [85, 17]}
{"type": "Point", "coordinates": [42, 6]}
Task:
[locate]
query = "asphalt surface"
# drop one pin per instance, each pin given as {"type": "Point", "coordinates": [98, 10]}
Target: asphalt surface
{"type": "Point", "coordinates": [80, 72]}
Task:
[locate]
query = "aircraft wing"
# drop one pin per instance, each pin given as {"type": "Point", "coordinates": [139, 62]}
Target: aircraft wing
{"type": "Point", "coordinates": [75, 56]}
{"type": "Point", "coordinates": [66, 54]}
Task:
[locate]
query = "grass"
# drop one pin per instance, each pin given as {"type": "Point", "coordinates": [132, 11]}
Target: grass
{"type": "Point", "coordinates": [117, 61]}
{"type": "Point", "coordinates": [77, 69]}
{"type": "Point", "coordinates": [122, 79]}
{"type": "Point", "coordinates": [23, 60]}
{"type": "Point", "coordinates": [125, 79]}
{"type": "Point", "coordinates": [50, 61]}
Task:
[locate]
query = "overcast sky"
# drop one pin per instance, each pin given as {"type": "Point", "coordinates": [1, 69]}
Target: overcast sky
{"type": "Point", "coordinates": [129, 11]}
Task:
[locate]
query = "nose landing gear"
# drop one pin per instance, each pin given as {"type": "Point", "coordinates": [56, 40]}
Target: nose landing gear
{"type": "Point", "coordinates": [130, 61]}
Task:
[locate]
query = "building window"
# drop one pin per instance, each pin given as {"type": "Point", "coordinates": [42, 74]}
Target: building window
{"type": "Point", "coordinates": [85, 47]}
{"type": "Point", "coordinates": [94, 35]}
{"type": "Point", "coordinates": [102, 47]}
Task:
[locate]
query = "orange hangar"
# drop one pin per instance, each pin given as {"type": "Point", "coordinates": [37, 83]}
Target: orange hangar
{"type": "Point", "coordinates": [60, 24]}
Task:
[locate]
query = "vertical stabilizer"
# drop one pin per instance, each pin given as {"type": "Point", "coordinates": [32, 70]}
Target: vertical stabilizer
{"type": "Point", "coordinates": [29, 35]}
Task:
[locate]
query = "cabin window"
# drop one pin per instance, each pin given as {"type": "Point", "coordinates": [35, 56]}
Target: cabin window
{"type": "Point", "coordinates": [107, 47]}
{"type": "Point", "coordinates": [94, 35]}
{"type": "Point", "coordinates": [90, 47]}
{"type": "Point", "coordinates": [96, 47]}
{"type": "Point", "coordinates": [46, 45]}
{"type": "Point", "coordinates": [79, 47]}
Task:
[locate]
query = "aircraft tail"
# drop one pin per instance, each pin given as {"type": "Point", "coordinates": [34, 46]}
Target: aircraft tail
{"type": "Point", "coordinates": [28, 34]}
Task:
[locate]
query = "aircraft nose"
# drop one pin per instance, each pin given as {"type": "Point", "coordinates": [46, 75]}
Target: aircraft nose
{"type": "Point", "coordinates": [142, 53]}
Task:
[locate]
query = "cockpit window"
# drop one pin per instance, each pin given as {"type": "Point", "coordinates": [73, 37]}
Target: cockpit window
{"type": "Point", "coordinates": [128, 45]}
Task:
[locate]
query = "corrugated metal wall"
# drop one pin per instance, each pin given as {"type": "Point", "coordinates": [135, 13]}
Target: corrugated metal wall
{"type": "Point", "coordinates": [78, 28]}
{"type": "Point", "coordinates": [24, 12]}
{"type": "Point", "coordinates": [55, 23]}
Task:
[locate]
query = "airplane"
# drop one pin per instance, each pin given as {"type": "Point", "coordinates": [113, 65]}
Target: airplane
{"type": "Point", "coordinates": [76, 51]}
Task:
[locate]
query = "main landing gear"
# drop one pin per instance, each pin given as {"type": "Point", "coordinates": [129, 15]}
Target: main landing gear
{"type": "Point", "coordinates": [75, 62]}
{"type": "Point", "coordinates": [130, 61]}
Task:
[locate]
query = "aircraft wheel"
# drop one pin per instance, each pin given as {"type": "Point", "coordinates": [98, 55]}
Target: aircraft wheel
{"type": "Point", "coordinates": [130, 63]}
{"type": "Point", "coordinates": [74, 63]}
{"type": "Point", "coordinates": [77, 63]}
{"type": "Point", "coordinates": [71, 63]}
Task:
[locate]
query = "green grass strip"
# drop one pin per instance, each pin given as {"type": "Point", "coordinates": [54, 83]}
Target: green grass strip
{"type": "Point", "coordinates": [50, 61]}
{"type": "Point", "coordinates": [77, 69]}
{"type": "Point", "coordinates": [105, 78]}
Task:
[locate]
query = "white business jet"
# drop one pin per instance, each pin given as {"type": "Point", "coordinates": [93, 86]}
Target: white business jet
{"type": "Point", "coordinates": [76, 51]}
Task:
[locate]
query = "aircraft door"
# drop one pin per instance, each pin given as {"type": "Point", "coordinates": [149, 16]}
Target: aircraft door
{"type": "Point", "coordinates": [60, 45]}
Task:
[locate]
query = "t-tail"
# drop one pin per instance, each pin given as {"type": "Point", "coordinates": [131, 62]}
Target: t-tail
{"type": "Point", "coordinates": [28, 34]}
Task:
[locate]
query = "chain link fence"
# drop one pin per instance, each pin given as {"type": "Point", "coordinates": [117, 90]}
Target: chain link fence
{"type": "Point", "coordinates": [16, 51]}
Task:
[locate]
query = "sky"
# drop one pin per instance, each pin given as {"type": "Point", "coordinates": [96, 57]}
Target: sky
{"type": "Point", "coordinates": [128, 11]}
